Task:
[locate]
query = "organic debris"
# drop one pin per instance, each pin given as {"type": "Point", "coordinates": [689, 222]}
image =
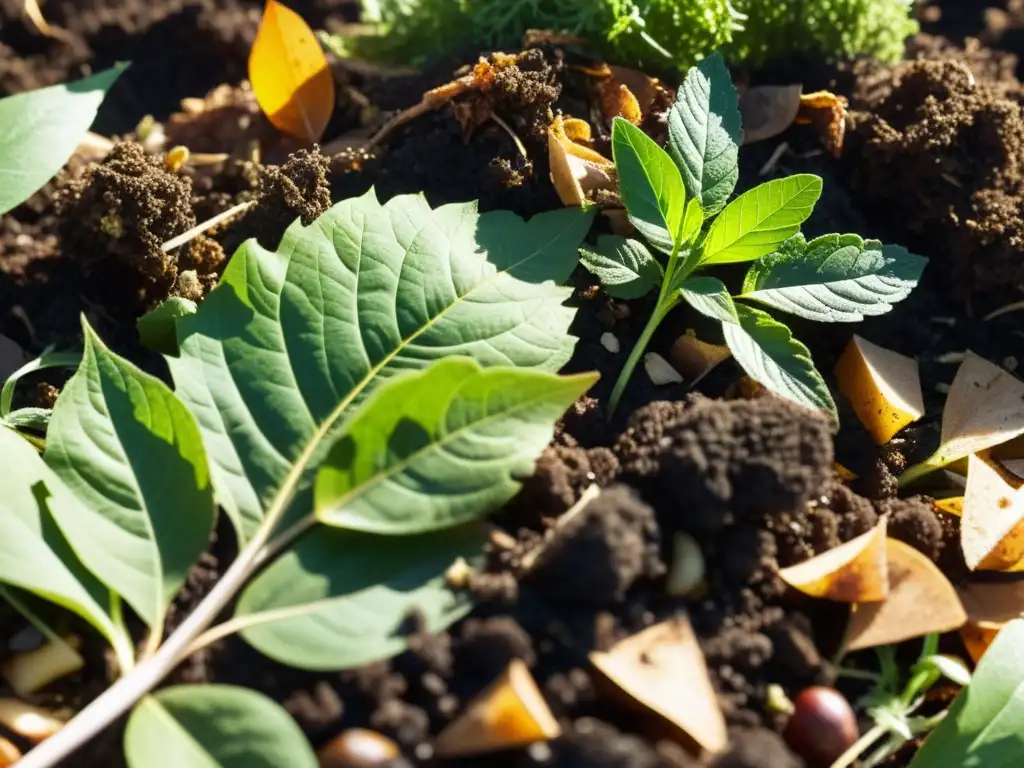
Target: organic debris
{"type": "Point", "coordinates": [695, 359]}
{"type": "Point", "coordinates": [662, 670]}
{"type": "Point", "coordinates": [854, 572]}
{"type": "Point", "coordinates": [921, 601]}
{"type": "Point", "coordinates": [580, 175]}
{"type": "Point", "coordinates": [992, 521]}
{"type": "Point", "coordinates": [29, 671]}
{"type": "Point", "coordinates": [989, 607]}
{"type": "Point", "coordinates": [768, 110]}
{"type": "Point", "coordinates": [826, 112]}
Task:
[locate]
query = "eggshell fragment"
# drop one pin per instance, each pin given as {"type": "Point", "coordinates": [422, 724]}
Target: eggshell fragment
{"type": "Point", "coordinates": [992, 522]}
{"type": "Point", "coordinates": [854, 572]}
{"type": "Point", "coordinates": [659, 370]}
{"type": "Point", "coordinates": [511, 712]}
{"type": "Point", "coordinates": [883, 386]}
{"type": "Point", "coordinates": [921, 601]}
{"type": "Point", "coordinates": [662, 670]}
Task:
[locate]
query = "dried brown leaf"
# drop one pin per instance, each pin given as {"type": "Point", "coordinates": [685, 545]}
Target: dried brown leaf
{"type": "Point", "coordinates": [992, 521]}
{"type": "Point", "coordinates": [854, 572]}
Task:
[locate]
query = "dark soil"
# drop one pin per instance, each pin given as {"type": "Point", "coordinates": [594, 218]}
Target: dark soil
{"type": "Point", "coordinates": [934, 160]}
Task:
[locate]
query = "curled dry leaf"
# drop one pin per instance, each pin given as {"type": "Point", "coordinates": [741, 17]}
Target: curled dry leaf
{"type": "Point", "coordinates": [576, 171]}
{"type": "Point", "coordinates": [884, 387]}
{"type": "Point", "coordinates": [290, 75]}
{"type": "Point", "coordinates": [628, 93]}
{"type": "Point", "coordinates": [827, 113]}
{"type": "Point", "coordinates": [768, 110]}
{"type": "Point", "coordinates": [695, 359]}
{"type": "Point", "coordinates": [921, 601]}
{"type": "Point", "coordinates": [992, 521]}
{"type": "Point", "coordinates": [854, 572]}
{"type": "Point", "coordinates": [662, 670]}
{"type": "Point", "coordinates": [989, 606]}
{"type": "Point", "coordinates": [33, 723]}
{"type": "Point", "coordinates": [843, 473]}
{"type": "Point", "coordinates": [33, 670]}
{"type": "Point", "coordinates": [511, 712]}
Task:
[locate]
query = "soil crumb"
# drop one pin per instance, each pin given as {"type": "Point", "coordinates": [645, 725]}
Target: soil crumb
{"type": "Point", "coordinates": [940, 151]}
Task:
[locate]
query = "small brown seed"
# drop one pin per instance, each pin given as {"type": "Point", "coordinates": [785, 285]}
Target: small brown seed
{"type": "Point", "coordinates": [357, 748]}
{"type": "Point", "coordinates": [822, 727]}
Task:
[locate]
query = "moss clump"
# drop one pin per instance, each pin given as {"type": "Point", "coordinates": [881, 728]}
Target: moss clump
{"type": "Point", "coordinates": [655, 33]}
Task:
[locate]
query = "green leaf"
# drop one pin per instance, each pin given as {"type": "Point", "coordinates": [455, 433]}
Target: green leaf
{"type": "Point", "coordinates": [214, 726]}
{"type": "Point", "coordinates": [834, 278]}
{"type": "Point", "coordinates": [130, 451]}
{"type": "Point", "coordinates": [282, 350]}
{"type": "Point", "coordinates": [952, 667]}
{"type": "Point", "coordinates": [705, 132]}
{"type": "Point", "coordinates": [49, 359]}
{"type": "Point", "coordinates": [40, 130]}
{"type": "Point", "coordinates": [29, 418]}
{"type": "Point", "coordinates": [339, 599]}
{"type": "Point", "coordinates": [693, 220]}
{"type": "Point", "coordinates": [767, 351]}
{"type": "Point", "coordinates": [757, 221]}
{"type": "Point", "coordinates": [440, 447]}
{"type": "Point", "coordinates": [34, 555]}
{"type": "Point", "coordinates": [710, 297]}
{"type": "Point", "coordinates": [158, 327]}
{"type": "Point", "coordinates": [651, 186]}
{"type": "Point", "coordinates": [984, 727]}
{"type": "Point", "coordinates": [626, 269]}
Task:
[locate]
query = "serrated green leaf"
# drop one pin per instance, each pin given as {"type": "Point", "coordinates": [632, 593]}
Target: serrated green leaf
{"type": "Point", "coordinates": [984, 727]}
{"type": "Point", "coordinates": [214, 726]}
{"type": "Point", "coordinates": [705, 132]}
{"type": "Point", "coordinates": [651, 185]}
{"type": "Point", "coordinates": [291, 341]}
{"type": "Point", "coordinates": [29, 418]}
{"type": "Point", "coordinates": [40, 130]}
{"type": "Point", "coordinates": [626, 269]}
{"type": "Point", "coordinates": [833, 278]}
{"type": "Point", "coordinates": [131, 453]}
{"type": "Point", "coordinates": [442, 446]}
{"type": "Point", "coordinates": [759, 220]}
{"type": "Point", "coordinates": [710, 297]}
{"type": "Point", "coordinates": [48, 359]}
{"type": "Point", "coordinates": [767, 351]}
{"type": "Point", "coordinates": [338, 599]}
{"type": "Point", "coordinates": [158, 327]}
{"type": "Point", "coordinates": [34, 555]}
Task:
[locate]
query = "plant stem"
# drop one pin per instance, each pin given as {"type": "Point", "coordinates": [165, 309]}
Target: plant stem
{"type": "Point", "coordinates": [660, 311]}
{"type": "Point", "coordinates": [926, 467]}
{"type": "Point", "coordinates": [850, 756]}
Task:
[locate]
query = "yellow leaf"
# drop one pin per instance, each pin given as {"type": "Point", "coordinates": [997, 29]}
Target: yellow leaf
{"type": "Point", "coordinates": [854, 572]}
{"type": "Point", "coordinates": [992, 523]}
{"type": "Point", "coordinates": [290, 75]}
{"type": "Point", "coordinates": [951, 505]}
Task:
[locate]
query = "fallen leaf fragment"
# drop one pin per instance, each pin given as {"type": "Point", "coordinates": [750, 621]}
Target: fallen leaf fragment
{"type": "Point", "coordinates": [953, 505]}
{"type": "Point", "coordinates": [921, 601]}
{"type": "Point", "coordinates": [662, 669]}
{"type": "Point", "coordinates": [768, 110]}
{"type": "Point", "coordinates": [854, 572]}
{"type": "Point", "coordinates": [577, 172]}
{"type": "Point", "coordinates": [827, 113]}
{"type": "Point", "coordinates": [290, 75]}
{"type": "Point", "coordinates": [695, 359]}
{"type": "Point", "coordinates": [992, 521]}
{"type": "Point", "coordinates": [660, 371]}
{"type": "Point", "coordinates": [884, 387]}
{"type": "Point", "coordinates": [511, 712]}
{"type": "Point", "coordinates": [31, 671]}
{"type": "Point", "coordinates": [844, 474]}
{"type": "Point", "coordinates": [989, 607]}
{"type": "Point", "coordinates": [33, 723]}
{"type": "Point", "coordinates": [984, 408]}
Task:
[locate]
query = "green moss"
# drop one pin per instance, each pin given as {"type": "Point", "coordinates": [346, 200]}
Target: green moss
{"type": "Point", "coordinates": [651, 33]}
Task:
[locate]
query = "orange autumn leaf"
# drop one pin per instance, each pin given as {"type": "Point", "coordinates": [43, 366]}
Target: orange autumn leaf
{"type": "Point", "coordinates": [854, 572]}
{"type": "Point", "coordinates": [290, 76]}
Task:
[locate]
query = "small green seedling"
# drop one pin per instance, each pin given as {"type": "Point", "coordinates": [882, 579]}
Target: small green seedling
{"type": "Point", "coordinates": [678, 200]}
{"type": "Point", "coordinates": [892, 705]}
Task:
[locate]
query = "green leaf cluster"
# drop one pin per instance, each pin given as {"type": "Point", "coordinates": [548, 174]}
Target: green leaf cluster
{"type": "Point", "coordinates": [679, 200]}
{"type": "Point", "coordinates": [652, 33]}
{"type": "Point", "coordinates": [355, 401]}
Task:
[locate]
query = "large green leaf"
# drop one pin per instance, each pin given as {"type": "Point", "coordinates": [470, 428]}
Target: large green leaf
{"type": "Point", "coordinates": [651, 185]}
{"type": "Point", "coordinates": [710, 297]}
{"type": "Point", "coordinates": [34, 555]}
{"type": "Point", "coordinates": [984, 727]}
{"type": "Point", "coordinates": [440, 447]}
{"type": "Point", "coordinates": [705, 132]}
{"type": "Point", "coordinates": [767, 351]}
{"type": "Point", "coordinates": [132, 454]}
{"type": "Point", "coordinates": [338, 599]}
{"type": "Point", "coordinates": [626, 269]}
{"type": "Point", "coordinates": [214, 726]}
{"type": "Point", "coordinates": [40, 130]}
{"type": "Point", "coordinates": [280, 352]}
{"type": "Point", "coordinates": [834, 278]}
{"type": "Point", "coordinates": [48, 359]}
{"type": "Point", "coordinates": [757, 221]}
{"type": "Point", "coordinates": [158, 327]}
